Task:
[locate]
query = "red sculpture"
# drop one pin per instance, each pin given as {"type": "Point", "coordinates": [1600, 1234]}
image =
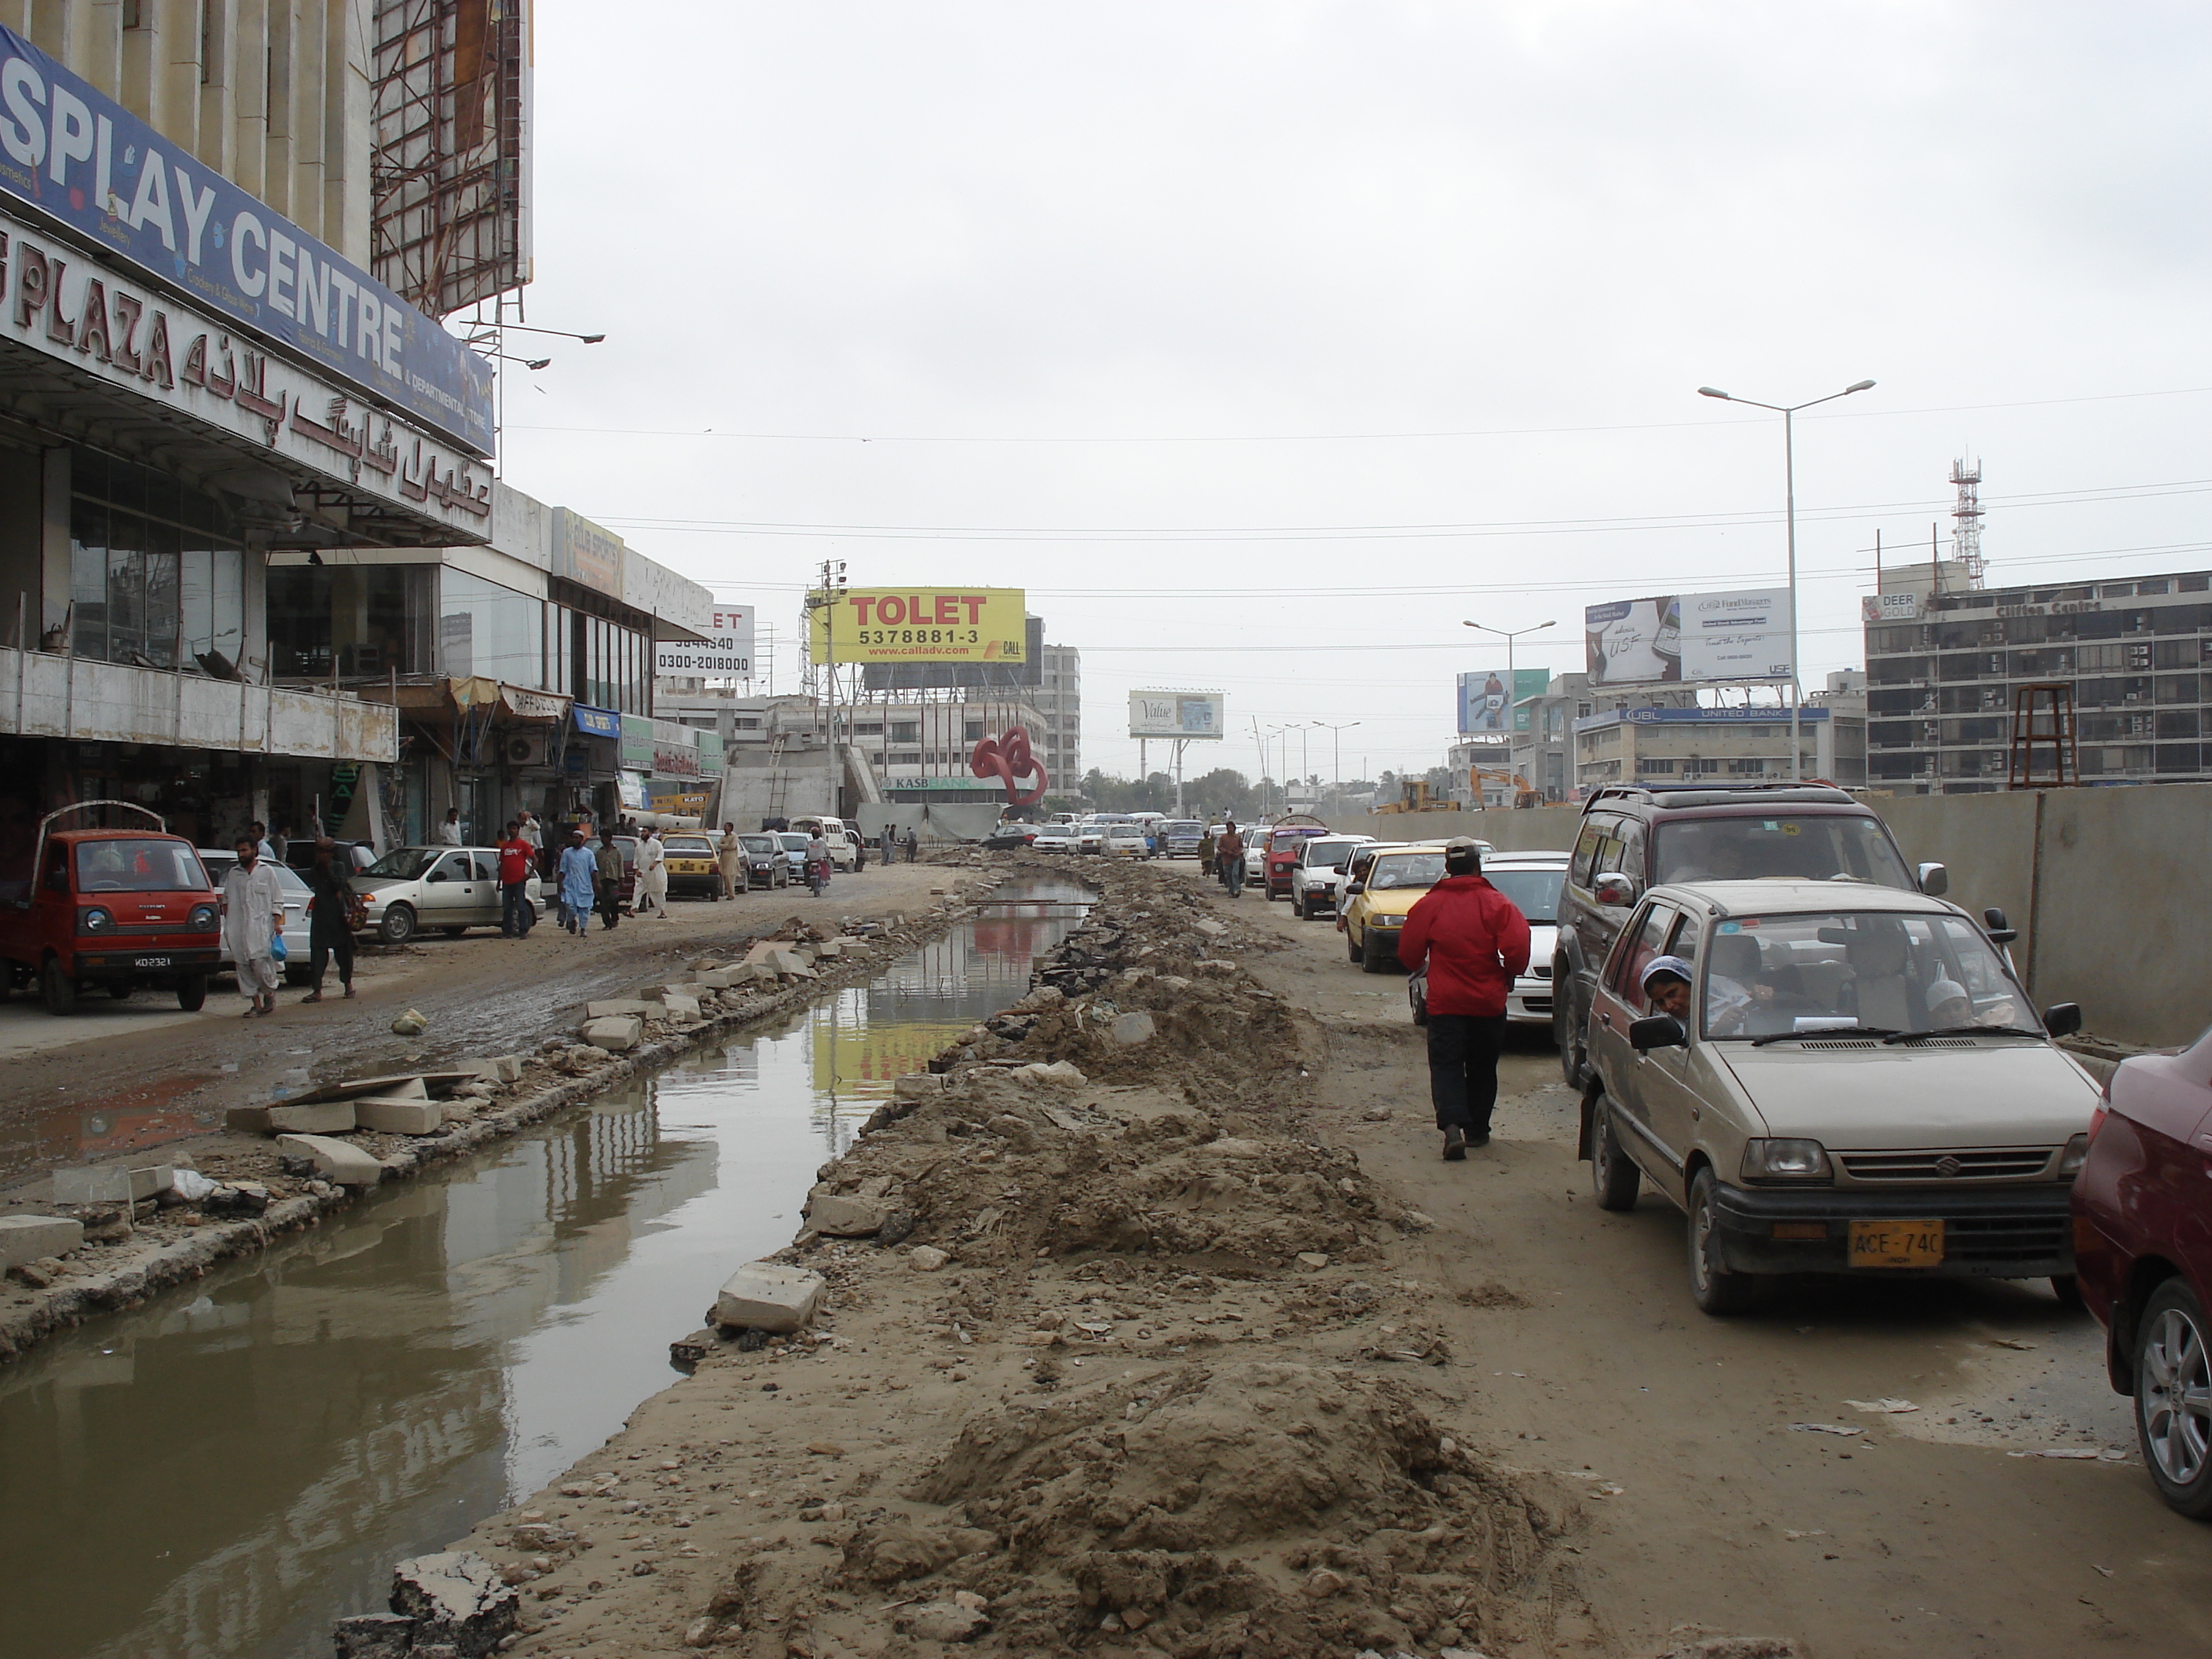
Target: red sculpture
{"type": "Point", "coordinates": [1008, 758]}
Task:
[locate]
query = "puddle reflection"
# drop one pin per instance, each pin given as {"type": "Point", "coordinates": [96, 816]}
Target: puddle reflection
{"type": "Point", "coordinates": [227, 1470]}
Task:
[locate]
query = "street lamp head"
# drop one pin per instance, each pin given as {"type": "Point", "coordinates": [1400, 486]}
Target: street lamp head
{"type": "Point", "coordinates": [1553, 623]}
{"type": "Point", "coordinates": [1714, 391]}
{"type": "Point", "coordinates": [1861, 385]}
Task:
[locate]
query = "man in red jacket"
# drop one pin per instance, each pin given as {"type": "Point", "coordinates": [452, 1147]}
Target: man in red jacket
{"type": "Point", "coordinates": [1475, 941]}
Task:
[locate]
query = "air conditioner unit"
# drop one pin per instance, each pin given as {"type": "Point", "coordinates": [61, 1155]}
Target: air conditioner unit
{"type": "Point", "coordinates": [525, 748]}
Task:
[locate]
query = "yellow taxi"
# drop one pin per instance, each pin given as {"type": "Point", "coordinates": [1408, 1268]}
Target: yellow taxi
{"type": "Point", "coordinates": [1380, 896]}
{"type": "Point", "coordinates": [694, 866]}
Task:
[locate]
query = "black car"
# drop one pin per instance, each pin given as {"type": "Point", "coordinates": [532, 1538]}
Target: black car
{"type": "Point", "coordinates": [766, 865]}
{"type": "Point", "coordinates": [1636, 836]}
{"type": "Point", "coordinates": [1009, 838]}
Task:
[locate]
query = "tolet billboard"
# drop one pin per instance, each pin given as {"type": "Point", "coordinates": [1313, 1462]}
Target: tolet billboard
{"type": "Point", "coordinates": [919, 625]}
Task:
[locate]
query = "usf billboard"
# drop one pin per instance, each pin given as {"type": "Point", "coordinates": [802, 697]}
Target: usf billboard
{"type": "Point", "coordinates": [1176, 714]}
{"type": "Point", "coordinates": [926, 624]}
{"type": "Point", "coordinates": [1690, 638]}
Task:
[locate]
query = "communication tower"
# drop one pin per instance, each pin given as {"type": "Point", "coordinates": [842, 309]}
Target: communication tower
{"type": "Point", "coordinates": [1967, 516]}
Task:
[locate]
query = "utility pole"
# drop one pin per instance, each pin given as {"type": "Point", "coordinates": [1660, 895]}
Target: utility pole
{"type": "Point", "coordinates": [828, 596]}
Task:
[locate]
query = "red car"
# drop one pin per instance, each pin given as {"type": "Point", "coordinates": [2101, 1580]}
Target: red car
{"type": "Point", "coordinates": [112, 910]}
{"type": "Point", "coordinates": [2142, 1248]}
{"type": "Point", "coordinates": [1281, 858]}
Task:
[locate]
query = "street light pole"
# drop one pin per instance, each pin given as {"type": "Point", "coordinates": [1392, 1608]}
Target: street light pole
{"type": "Point", "coordinates": [1336, 763]}
{"type": "Point", "coordinates": [1789, 413]}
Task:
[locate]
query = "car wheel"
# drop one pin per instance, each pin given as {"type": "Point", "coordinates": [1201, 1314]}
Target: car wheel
{"type": "Point", "coordinates": [2174, 1398]}
{"type": "Point", "coordinates": [191, 993]}
{"type": "Point", "coordinates": [398, 924]}
{"type": "Point", "coordinates": [1351, 947]}
{"type": "Point", "coordinates": [1563, 1023]}
{"type": "Point", "coordinates": [1420, 1006]}
{"type": "Point", "coordinates": [1713, 1287]}
{"type": "Point", "coordinates": [1613, 1175]}
{"type": "Point", "coordinates": [59, 988]}
{"type": "Point", "coordinates": [120, 989]}
{"type": "Point", "coordinates": [1372, 960]}
{"type": "Point", "coordinates": [2068, 1289]}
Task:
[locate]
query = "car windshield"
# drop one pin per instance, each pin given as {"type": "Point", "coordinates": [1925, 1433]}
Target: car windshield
{"type": "Point", "coordinates": [761, 844]}
{"type": "Point", "coordinates": [794, 843]}
{"type": "Point", "coordinates": [1405, 869]}
{"type": "Point", "coordinates": [688, 847]}
{"type": "Point", "coordinates": [1292, 838]}
{"type": "Point", "coordinates": [1795, 975]}
{"type": "Point", "coordinates": [404, 863]}
{"type": "Point", "coordinates": [138, 866]}
{"type": "Point", "coordinates": [1809, 849]}
{"type": "Point", "coordinates": [1327, 850]}
{"type": "Point", "coordinates": [1535, 893]}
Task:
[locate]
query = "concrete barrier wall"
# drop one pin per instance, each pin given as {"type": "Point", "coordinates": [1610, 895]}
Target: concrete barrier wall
{"type": "Point", "coordinates": [2106, 886]}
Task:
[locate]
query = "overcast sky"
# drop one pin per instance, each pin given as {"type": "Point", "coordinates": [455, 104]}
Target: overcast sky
{"type": "Point", "coordinates": [1163, 312]}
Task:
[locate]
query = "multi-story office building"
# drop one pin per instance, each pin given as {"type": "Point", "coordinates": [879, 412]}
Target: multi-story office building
{"type": "Point", "coordinates": [1059, 704]}
{"type": "Point", "coordinates": [198, 370]}
{"type": "Point", "coordinates": [1944, 669]}
{"type": "Point", "coordinates": [1682, 745]}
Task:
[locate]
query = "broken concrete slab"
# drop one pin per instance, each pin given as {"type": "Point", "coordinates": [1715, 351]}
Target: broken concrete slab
{"type": "Point", "coordinates": [617, 1034]}
{"type": "Point", "coordinates": [840, 1217]}
{"type": "Point", "coordinates": [400, 1117]}
{"type": "Point", "coordinates": [340, 1161]}
{"type": "Point", "coordinates": [319, 1117]}
{"type": "Point", "coordinates": [763, 950]}
{"type": "Point", "coordinates": [617, 1007]}
{"type": "Point", "coordinates": [25, 1238]}
{"type": "Point", "coordinates": [1131, 1029]}
{"type": "Point", "coordinates": [716, 979]}
{"type": "Point", "coordinates": [680, 1004]}
{"type": "Point", "coordinates": [457, 1602]}
{"type": "Point", "coordinates": [789, 962]}
{"type": "Point", "coordinates": [763, 1296]}
{"type": "Point", "coordinates": [111, 1183]}
{"type": "Point", "coordinates": [246, 1120]}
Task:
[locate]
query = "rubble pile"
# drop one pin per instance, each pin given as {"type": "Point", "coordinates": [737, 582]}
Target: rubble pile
{"type": "Point", "coordinates": [1086, 1346]}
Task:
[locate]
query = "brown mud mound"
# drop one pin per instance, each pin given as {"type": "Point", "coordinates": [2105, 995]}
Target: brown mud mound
{"type": "Point", "coordinates": [1258, 1507]}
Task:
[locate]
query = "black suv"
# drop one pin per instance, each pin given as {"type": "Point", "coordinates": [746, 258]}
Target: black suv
{"type": "Point", "coordinates": [1636, 836]}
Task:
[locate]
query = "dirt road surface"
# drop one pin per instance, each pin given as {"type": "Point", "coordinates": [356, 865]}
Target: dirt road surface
{"type": "Point", "coordinates": [122, 1077]}
{"type": "Point", "coordinates": [1707, 1506]}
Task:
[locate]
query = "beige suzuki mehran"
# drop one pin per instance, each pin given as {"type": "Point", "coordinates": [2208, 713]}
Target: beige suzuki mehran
{"type": "Point", "coordinates": [1855, 1084]}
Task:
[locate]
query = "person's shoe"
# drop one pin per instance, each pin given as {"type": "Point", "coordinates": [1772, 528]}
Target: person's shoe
{"type": "Point", "coordinates": [1455, 1144]}
{"type": "Point", "coordinates": [1479, 1138]}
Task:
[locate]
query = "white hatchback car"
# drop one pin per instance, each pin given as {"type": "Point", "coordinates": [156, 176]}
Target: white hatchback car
{"type": "Point", "coordinates": [1055, 838]}
{"type": "Point", "coordinates": [1318, 876]}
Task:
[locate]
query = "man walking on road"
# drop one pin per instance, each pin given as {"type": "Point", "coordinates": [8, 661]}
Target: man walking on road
{"type": "Point", "coordinates": [1475, 941]}
{"type": "Point", "coordinates": [652, 875]}
{"type": "Point", "coordinates": [609, 864]}
{"type": "Point", "coordinates": [330, 919]}
{"type": "Point", "coordinates": [575, 876]}
{"type": "Point", "coordinates": [517, 863]}
{"type": "Point", "coordinates": [1229, 853]}
{"type": "Point", "coordinates": [253, 911]}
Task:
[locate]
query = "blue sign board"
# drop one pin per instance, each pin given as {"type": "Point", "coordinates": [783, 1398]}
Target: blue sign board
{"type": "Point", "coordinates": [598, 722]}
{"type": "Point", "coordinates": [86, 162]}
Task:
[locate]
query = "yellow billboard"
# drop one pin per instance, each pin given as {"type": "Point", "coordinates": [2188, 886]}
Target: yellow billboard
{"type": "Point", "coordinates": [919, 625]}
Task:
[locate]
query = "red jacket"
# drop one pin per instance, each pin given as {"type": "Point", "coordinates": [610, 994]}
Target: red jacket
{"type": "Point", "coordinates": [1474, 940]}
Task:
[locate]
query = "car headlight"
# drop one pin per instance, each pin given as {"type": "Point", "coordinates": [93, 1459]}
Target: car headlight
{"type": "Point", "coordinates": [2071, 1160]}
{"type": "Point", "coordinates": [205, 919]}
{"type": "Point", "coordinates": [96, 920]}
{"type": "Point", "coordinates": [1785, 1160]}
{"type": "Point", "coordinates": [1385, 921]}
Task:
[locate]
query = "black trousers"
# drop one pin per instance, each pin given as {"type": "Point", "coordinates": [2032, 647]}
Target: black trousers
{"type": "Point", "coordinates": [324, 943]}
{"type": "Point", "coordinates": [1463, 1069]}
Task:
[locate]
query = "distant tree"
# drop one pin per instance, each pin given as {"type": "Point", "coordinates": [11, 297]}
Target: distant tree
{"type": "Point", "coordinates": [1222, 791]}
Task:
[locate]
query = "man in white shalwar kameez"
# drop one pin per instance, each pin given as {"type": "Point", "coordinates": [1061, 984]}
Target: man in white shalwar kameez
{"type": "Point", "coordinates": [253, 912]}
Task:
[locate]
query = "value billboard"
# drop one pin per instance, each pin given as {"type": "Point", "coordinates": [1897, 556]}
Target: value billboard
{"type": "Point", "coordinates": [1484, 707]}
{"type": "Point", "coordinates": [727, 653]}
{"type": "Point", "coordinates": [1668, 638]}
{"type": "Point", "coordinates": [926, 624]}
{"type": "Point", "coordinates": [1176, 714]}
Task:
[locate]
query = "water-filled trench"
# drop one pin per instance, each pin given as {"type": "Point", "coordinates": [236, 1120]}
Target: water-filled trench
{"type": "Point", "coordinates": [226, 1470]}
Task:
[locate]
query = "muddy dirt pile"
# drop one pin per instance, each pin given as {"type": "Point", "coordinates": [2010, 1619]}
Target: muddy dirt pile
{"type": "Point", "coordinates": [1115, 1357]}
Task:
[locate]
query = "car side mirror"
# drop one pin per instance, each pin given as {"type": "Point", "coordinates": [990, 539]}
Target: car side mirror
{"type": "Point", "coordinates": [1656, 1032]}
{"type": "Point", "coordinates": [438, 875]}
{"type": "Point", "coordinates": [2062, 1019]}
{"type": "Point", "coordinates": [1935, 880]}
{"type": "Point", "coordinates": [2000, 931]}
{"type": "Point", "coordinates": [1351, 889]}
{"type": "Point", "coordinates": [1613, 891]}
